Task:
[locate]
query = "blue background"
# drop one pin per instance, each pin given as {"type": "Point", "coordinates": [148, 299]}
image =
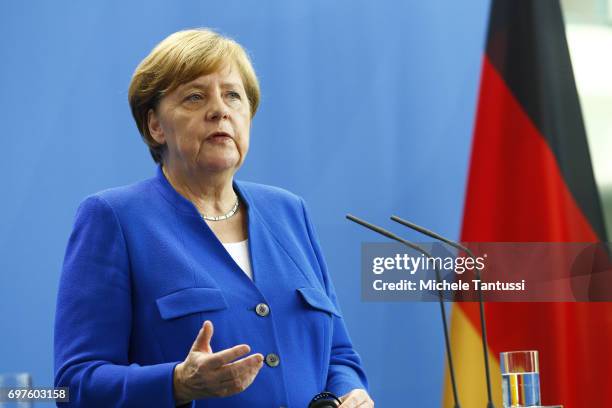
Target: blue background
{"type": "Point", "coordinates": [367, 107]}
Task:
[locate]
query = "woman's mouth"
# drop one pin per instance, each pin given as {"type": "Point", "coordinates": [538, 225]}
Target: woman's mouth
{"type": "Point", "coordinates": [219, 137]}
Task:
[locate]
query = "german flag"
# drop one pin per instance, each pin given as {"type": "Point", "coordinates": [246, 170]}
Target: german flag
{"type": "Point", "coordinates": [531, 180]}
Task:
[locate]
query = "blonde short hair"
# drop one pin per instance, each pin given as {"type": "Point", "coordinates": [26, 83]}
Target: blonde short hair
{"type": "Point", "coordinates": [181, 58]}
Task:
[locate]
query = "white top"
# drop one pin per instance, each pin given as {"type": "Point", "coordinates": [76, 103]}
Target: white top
{"type": "Point", "coordinates": [240, 252]}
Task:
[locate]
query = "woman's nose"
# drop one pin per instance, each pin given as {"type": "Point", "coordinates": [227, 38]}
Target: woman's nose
{"type": "Point", "coordinates": [217, 109]}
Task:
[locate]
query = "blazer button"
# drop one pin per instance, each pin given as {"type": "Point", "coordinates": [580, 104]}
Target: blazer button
{"type": "Point", "coordinates": [272, 360]}
{"type": "Point", "coordinates": [262, 310]}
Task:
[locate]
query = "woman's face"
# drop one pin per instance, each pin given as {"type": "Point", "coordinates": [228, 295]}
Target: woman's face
{"type": "Point", "coordinates": [204, 123]}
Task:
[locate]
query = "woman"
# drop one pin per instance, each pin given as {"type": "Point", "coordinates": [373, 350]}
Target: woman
{"type": "Point", "coordinates": [151, 267]}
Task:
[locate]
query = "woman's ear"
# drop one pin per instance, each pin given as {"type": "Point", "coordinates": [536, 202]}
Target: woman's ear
{"type": "Point", "coordinates": [155, 128]}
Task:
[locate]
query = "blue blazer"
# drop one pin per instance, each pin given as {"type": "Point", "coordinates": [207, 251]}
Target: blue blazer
{"type": "Point", "coordinates": [143, 271]}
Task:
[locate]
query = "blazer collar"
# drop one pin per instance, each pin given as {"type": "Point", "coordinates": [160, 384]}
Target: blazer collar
{"type": "Point", "coordinates": [184, 205]}
{"type": "Point", "coordinates": [256, 229]}
{"type": "Point", "coordinates": [263, 244]}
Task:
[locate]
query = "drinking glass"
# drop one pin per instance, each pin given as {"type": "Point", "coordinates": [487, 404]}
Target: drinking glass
{"type": "Point", "coordinates": [520, 378]}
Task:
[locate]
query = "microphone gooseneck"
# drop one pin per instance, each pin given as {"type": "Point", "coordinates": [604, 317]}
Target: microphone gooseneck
{"type": "Point", "coordinates": [417, 248]}
{"type": "Point", "coordinates": [483, 325]}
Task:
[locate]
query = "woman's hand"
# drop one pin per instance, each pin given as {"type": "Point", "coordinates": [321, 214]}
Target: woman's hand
{"type": "Point", "coordinates": [206, 374]}
{"type": "Point", "coordinates": [356, 398]}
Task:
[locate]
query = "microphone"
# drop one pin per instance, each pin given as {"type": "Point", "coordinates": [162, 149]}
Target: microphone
{"type": "Point", "coordinates": [483, 325]}
{"type": "Point", "coordinates": [417, 248]}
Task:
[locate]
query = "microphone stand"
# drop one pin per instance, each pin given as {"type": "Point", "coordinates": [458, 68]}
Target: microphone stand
{"type": "Point", "coordinates": [440, 296]}
{"type": "Point", "coordinates": [480, 298]}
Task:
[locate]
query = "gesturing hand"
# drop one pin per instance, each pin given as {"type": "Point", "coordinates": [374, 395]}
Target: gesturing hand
{"type": "Point", "coordinates": [206, 374]}
{"type": "Point", "coordinates": [356, 398]}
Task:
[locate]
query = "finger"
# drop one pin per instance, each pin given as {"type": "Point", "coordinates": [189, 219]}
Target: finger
{"type": "Point", "coordinates": [243, 378]}
{"type": "Point", "coordinates": [346, 403]}
{"type": "Point", "coordinates": [245, 367]}
{"type": "Point", "coordinates": [366, 403]}
{"type": "Point", "coordinates": [345, 397]}
{"type": "Point", "coordinates": [202, 341]}
{"type": "Point", "coordinates": [235, 386]}
{"type": "Point", "coordinates": [226, 356]}
{"type": "Point", "coordinates": [352, 401]}
{"type": "Point", "coordinates": [356, 400]}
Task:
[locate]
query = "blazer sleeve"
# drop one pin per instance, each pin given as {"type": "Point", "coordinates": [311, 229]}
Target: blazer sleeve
{"type": "Point", "coordinates": [345, 370]}
{"type": "Point", "coordinates": [93, 320]}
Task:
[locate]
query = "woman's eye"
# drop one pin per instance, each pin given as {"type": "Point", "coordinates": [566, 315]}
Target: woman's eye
{"type": "Point", "coordinates": [234, 95]}
{"type": "Point", "coordinates": [194, 98]}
